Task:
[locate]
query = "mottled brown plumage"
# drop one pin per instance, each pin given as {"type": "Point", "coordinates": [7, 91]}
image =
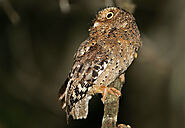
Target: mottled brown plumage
{"type": "Point", "coordinates": [106, 54]}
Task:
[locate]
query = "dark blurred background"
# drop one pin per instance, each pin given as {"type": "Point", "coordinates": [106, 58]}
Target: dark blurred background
{"type": "Point", "coordinates": [38, 39]}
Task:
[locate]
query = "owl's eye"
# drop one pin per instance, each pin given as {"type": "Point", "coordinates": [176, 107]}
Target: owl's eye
{"type": "Point", "coordinates": [109, 15]}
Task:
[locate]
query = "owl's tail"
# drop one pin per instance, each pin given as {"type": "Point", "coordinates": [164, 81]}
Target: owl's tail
{"type": "Point", "coordinates": [80, 110]}
{"type": "Point", "coordinates": [62, 93]}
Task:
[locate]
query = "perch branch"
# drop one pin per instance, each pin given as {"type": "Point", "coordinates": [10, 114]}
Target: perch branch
{"type": "Point", "coordinates": [128, 5]}
{"type": "Point", "coordinates": [64, 6]}
{"type": "Point", "coordinates": [10, 11]}
{"type": "Point", "coordinates": [110, 3]}
{"type": "Point", "coordinates": [111, 106]}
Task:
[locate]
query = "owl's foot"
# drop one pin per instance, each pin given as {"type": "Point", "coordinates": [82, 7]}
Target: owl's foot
{"type": "Point", "coordinates": [104, 90]}
{"type": "Point", "coordinates": [110, 90]}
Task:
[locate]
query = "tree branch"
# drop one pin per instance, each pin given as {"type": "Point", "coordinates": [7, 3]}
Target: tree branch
{"type": "Point", "coordinates": [64, 6]}
{"type": "Point", "coordinates": [110, 3]}
{"type": "Point", "coordinates": [111, 106]}
{"type": "Point", "coordinates": [10, 11]}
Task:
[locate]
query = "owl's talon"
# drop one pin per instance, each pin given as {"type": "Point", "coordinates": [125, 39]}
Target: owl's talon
{"type": "Point", "coordinates": [115, 92]}
{"type": "Point", "coordinates": [112, 91]}
{"type": "Point", "coordinates": [104, 94]}
{"type": "Point", "coordinates": [104, 90]}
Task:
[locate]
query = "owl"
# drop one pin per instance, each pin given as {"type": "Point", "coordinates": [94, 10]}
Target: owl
{"type": "Point", "coordinates": [106, 54]}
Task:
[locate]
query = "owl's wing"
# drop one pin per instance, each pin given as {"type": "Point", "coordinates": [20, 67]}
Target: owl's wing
{"type": "Point", "coordinates": [81, 50]}
{"type": "Point", "coordinates": [75, 98]}
{"type": "Point", "coordinates": [94, 64]}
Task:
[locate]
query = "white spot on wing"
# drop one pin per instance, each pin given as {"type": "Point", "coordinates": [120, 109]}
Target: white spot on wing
{"type": "Point", "coordinates": [104, 65]}
{"type": "Point", "coordinates": [83, 89]}
{"type": "Point", "coordinates": [80, 87]}
{"type": "Point", "coordinates": [85, 82]}
{"type": "Point", "coordinates": [100, 72]}
{"type": "Point", "coordinates": [74, 95]}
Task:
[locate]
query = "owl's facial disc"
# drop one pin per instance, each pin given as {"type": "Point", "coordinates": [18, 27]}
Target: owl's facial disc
{"type": "Point", "coordinates": [103, 16]}
{"type": "Point", "coordinates": [106, 17]}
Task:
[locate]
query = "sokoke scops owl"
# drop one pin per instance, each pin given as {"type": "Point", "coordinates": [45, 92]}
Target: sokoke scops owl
{"type": "Point", "coordinates": [109, 50]}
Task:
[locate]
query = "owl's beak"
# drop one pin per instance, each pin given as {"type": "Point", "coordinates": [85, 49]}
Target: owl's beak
{"type": "Point", "coordinates": [96, 24]}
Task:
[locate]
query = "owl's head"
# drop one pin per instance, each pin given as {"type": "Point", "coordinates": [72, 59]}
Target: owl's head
{"type": "Point", "coordinates": [114, 17]}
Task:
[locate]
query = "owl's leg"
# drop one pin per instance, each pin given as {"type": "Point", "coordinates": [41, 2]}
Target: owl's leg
{"type": "Point", "coordinates": [104, 90]}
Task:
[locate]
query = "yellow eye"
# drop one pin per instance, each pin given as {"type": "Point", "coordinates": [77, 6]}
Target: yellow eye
{"type": "Point", "coordinates": [109, 15]}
